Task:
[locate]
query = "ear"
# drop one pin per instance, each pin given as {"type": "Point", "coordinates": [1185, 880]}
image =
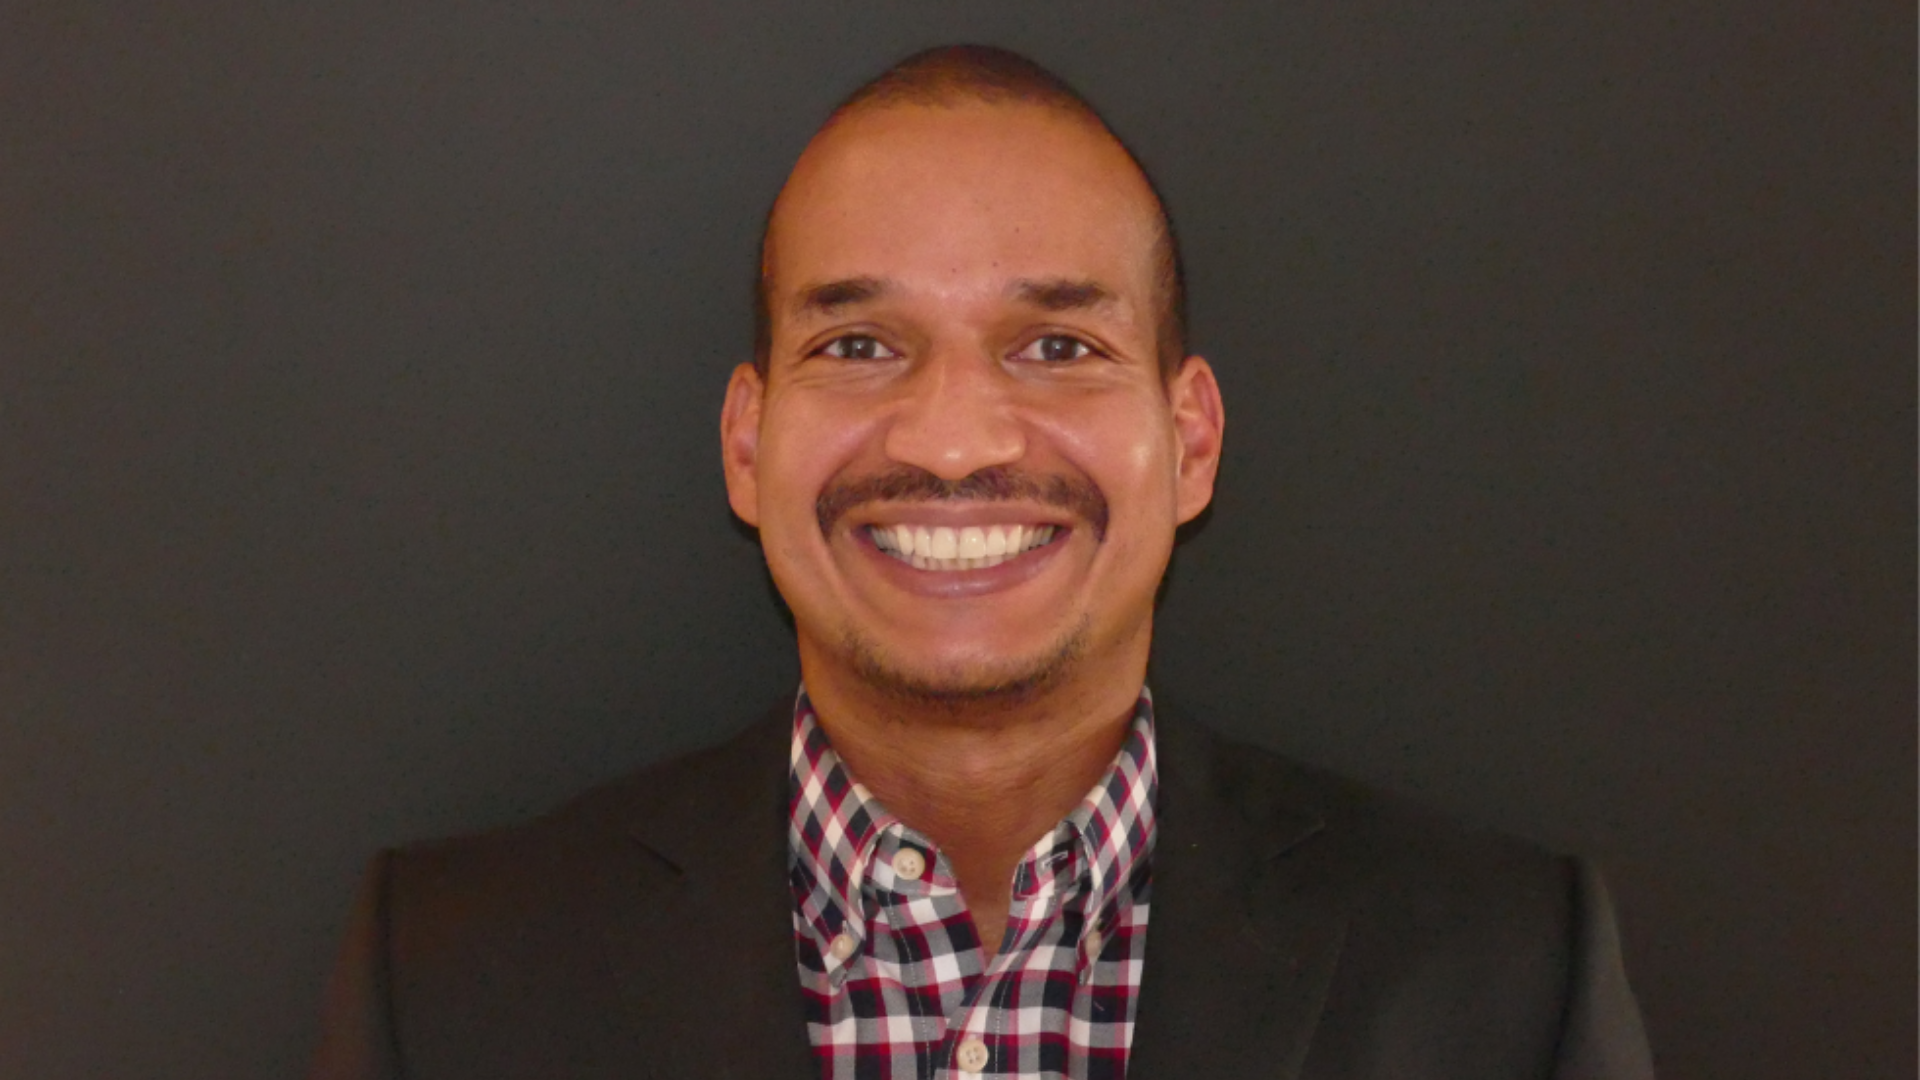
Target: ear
{"type": "Point", "coordinates": [1199, 422]}
{"type": "Point", "coordinates": [740, 441]}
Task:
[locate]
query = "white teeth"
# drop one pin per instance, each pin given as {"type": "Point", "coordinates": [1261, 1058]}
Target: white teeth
{"type": "Point", "coordinates": [970, 548]}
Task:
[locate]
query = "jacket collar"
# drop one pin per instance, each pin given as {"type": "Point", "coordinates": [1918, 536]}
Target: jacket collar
{"type": "Point", "coordinates": [710, 967]}
{"type": "Point", "coordinates": [1241, 946]}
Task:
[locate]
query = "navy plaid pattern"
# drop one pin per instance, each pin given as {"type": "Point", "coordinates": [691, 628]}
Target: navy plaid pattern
{"type": "Point", "coordinates": [908, 994]}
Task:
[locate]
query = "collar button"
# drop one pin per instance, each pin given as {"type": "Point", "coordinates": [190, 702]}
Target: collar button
{"type": "Point", "coordinates": [909, 864]}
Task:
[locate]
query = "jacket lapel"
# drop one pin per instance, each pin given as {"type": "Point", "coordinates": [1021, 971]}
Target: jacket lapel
{"type": "Point", "coordinates": [708, 957]}
{"type": "Point", "coordinates": [1242, 942]}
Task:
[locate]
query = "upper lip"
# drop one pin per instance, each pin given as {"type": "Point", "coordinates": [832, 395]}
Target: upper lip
{"type": "Point", "coordinates": [957, 515]}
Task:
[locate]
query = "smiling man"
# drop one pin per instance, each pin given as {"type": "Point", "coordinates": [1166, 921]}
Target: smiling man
{"type": "Point", "coordinates": [971, 845]}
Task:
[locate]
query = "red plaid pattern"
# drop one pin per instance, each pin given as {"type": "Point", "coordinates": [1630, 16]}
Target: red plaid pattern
{"type": "Point", "coordinates": [896, 983]}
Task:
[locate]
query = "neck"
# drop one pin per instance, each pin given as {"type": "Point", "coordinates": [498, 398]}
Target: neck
{"type": "Point", "coordinates": [984, 780]}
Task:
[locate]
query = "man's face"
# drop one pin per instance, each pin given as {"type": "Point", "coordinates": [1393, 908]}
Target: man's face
{"type": "Point", "coordinates": [963, 461]}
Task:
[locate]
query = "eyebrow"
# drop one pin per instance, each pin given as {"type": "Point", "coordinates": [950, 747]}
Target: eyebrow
{"type": "Point", "coordinates": [1061, 294]}
{"type": "Point", "coordinates": [1050, 294]}
{"type": "Point", "coordinates": [831, 296]}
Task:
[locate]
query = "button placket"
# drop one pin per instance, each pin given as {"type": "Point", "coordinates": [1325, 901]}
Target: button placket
{"type": "Point", "coordinates": [839, 955]}
{"type": "Point", "coordinates": [971, 1055]}
{"type": "Point", "coordinates": [844, 945]}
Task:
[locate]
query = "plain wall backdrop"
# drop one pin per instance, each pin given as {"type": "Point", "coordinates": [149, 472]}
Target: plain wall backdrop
{"type": "Point", "coordinates": [359, 479]}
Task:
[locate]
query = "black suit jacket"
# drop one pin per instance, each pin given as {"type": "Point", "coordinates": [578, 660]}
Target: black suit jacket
{"type": "Point", "coordinates": [1301, 927]}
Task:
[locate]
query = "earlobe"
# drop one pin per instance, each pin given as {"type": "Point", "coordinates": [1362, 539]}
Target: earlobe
{"type": "Point", "coordinates": [1199, 421]}
{"type": "Point", "coordinates": [740, 441]}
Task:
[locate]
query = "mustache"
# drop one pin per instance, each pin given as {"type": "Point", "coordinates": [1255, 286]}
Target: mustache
{"type": "Point", "coordinates": [906, 483]}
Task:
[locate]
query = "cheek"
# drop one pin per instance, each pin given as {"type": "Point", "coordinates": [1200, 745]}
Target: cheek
{"type": "Point", "coordinates": [1128, 452]}
{"type": "Point", "coordinates": [803, 444]}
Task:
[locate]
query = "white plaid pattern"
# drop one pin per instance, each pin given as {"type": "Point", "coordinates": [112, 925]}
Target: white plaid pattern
{"type": "Point", "coordinates": [913, 992]}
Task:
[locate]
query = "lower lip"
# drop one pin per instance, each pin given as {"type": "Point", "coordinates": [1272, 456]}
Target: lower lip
{"type": "Point", "coordinates": [958, 584]}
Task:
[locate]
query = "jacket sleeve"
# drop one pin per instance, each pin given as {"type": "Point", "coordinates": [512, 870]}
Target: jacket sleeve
{"type": "Point", "coordinates": [356, 1039]}
{"type": "Point", "coordinates": [1601, 1037]}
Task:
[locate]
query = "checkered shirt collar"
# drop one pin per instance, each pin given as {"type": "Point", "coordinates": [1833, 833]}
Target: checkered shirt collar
{"type": "Point", "coordinates": [836, 825]}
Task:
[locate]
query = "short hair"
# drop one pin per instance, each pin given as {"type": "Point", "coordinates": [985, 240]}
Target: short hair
{"type": "Point", "coordinates": [956, 74]}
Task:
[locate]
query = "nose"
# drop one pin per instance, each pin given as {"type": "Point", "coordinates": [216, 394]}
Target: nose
{"type": "Point", "coordinates": [958, 417]}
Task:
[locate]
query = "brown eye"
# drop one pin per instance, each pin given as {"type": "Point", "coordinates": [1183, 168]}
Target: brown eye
{"type": "Point", "coordinates": [1056, 348]}
{"type": "Point", "coordinates": [857, 347]}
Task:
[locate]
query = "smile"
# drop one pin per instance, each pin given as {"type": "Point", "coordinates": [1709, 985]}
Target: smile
{"type": "Point", "coordinates": [946, 550]}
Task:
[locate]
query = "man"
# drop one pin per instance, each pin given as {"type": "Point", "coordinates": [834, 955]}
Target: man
{"type": "Point", "coordinates": [972, 845]}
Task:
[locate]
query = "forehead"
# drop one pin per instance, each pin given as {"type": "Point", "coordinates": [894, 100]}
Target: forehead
{"type": "Point", "coordinates": [965, 196]}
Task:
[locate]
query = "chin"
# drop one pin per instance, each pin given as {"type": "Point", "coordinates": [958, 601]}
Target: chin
{"type": "Point", "coordinates": [962, 685]}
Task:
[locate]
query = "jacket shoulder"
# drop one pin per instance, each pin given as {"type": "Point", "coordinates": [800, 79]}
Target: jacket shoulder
{"type": "Point", "coordinates": [1422, 894]}
{"type": "Point", "coordinates": [509, 951]}
{"type": "Point", "coordinates": [1458, 943]}
{"type": "Point", "coordinates": [1375, 835]}
{"type": "Point", "coordinates": [603, 831]}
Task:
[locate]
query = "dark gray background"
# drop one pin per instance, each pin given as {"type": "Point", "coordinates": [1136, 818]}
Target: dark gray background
{"type": "Point", "coordinates": [359, 371]}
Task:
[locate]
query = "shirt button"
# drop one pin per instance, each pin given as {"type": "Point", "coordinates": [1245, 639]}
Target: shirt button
{"type": "Point", "coordinates": [841, 947]}
{"type": "Point", "coordinates": [1094, 944]}
{"type": "Point", "coordinates": [972, 1055]}
{"type": "Point", "coordinates": [909, 864]}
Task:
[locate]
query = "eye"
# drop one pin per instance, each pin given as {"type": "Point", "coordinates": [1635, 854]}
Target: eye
{"type": "Point", "coordinates": [857, 347]}
{"type": "Point", "coordinates": [1056, 348]}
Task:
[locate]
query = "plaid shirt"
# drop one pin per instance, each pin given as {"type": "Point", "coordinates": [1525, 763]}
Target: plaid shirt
{"type": "Point", "coordinates": [897, 986]}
